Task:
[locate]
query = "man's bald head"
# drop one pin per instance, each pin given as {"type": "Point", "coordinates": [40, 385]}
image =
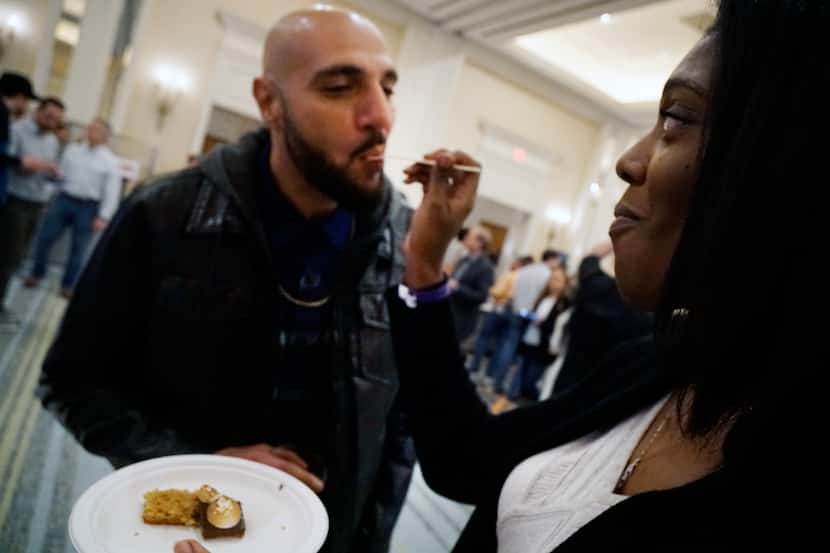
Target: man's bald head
{"type": "Point", "coordinates": [294, 38]}
{"type": "Point", "coordinates": [325, 94]}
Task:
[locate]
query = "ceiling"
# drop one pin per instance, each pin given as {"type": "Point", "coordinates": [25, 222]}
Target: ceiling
{"type": "Point", "coordinates": [616, 53]}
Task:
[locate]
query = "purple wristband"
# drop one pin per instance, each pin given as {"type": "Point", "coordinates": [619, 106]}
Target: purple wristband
{"type": "Point", "coordinates": [433, 294]}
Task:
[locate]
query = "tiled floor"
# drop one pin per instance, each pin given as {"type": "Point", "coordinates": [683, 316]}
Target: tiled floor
{"type": "Point", "coordinates": [43, 471]}
{"type": "Point", "coordinates": [429, 523]}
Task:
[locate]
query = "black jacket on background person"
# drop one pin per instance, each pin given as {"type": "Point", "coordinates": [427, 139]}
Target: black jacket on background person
{"type": "Point", "coordinates": [475, 276]}
{"type": "Point", "coordinates": [540, 352]}
{"type": "Point", "coordinates": [600, 321]}
{"type": "Point", "coordinates": [7, 160]}
{"type": "Point", "coordinates": [173, 320]}
{"type": "Point", "coordinates": [466, 453]}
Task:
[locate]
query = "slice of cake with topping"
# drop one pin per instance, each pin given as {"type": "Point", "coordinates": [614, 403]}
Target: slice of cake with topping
{"type": "Point", "coordinates": [222, 518]}
{"type": "Point", "coordinates": [174, 507]}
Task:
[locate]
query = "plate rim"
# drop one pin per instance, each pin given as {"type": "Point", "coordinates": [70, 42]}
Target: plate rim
{"type": "Point", "coordinates": [313, 545]}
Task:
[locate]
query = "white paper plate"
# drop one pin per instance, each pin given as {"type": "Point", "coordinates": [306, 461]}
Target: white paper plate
{"type": "Point", "coordinates": [282, 515]}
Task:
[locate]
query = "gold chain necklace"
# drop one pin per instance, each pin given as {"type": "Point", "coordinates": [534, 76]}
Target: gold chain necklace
{"type": "Point", "coordinates": [302, 303]}
{"type": "Point", "coordinates": [316, 303]}
{"type": "Point", "coordinates": [634, 462]}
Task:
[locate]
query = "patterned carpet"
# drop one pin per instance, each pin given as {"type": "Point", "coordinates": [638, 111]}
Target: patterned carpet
{"type": "Point", "coordinates": [43, 471]}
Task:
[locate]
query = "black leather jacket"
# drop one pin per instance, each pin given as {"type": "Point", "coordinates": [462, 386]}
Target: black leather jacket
{"type": "Point", "coordinates": [173, 316]}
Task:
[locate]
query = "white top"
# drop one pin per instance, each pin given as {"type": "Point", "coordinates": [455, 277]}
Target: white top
{"type": "Point", "coordinates": [530, 281]}
{"type": "Point", "coordinates": [557, 346]}
{"type": "Point", "coordinates": [551, 495]}
{"type": "Point", "coordinates": [28, 140]}
{"type": "Point", "coordinates": [558, 337]}
{"type": "Point", "coordinates": [92, 174]}
{"type": "Point", "coordinates": [533, 335]}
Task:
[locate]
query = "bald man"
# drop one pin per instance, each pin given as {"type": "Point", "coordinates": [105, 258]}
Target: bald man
{"type": "Point", "coordinates": [237, 307]}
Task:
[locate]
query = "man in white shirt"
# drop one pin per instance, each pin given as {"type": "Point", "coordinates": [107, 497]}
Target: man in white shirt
{"type": "Point", "coordinates": [88, 198]}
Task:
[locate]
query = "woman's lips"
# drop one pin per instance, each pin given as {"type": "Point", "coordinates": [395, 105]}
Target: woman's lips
{"type": "Point", "coordinates": [621, 224]}
{"type": "Point", "coordinates": [626, 218]}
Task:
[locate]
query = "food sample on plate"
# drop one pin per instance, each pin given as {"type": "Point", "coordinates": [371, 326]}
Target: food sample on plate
{"type": "Point", "coordinates": [218, 515]}
{"type": "Point", "coordinates": [173, 507]}
{"type": "Point", "coordinates": [222, 518]}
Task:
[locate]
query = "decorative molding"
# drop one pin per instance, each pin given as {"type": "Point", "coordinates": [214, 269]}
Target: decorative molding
{"type": "Point", "coordinates": [241, 26]}
{"type": "Point", "coordinates": [497, 138]}
{"type": "Point", "coordinates": [534, 79]}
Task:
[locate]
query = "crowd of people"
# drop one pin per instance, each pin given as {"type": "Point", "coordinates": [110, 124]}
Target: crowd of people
{"type": "Point", "coordinates": [538, 329]}
{"type": "Point", "coordinates": [48, 185]}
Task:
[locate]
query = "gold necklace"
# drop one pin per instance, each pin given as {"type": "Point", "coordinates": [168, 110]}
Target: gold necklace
{"type": "Point", "coordinates": [302, 303]}
{"type": "Point", "coordinates": [316, 303]}
{"type": "Point", "coordinates": [635, 462]}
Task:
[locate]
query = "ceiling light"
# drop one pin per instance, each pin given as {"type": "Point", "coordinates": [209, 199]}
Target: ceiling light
{"type": "Point", "coordinates": [558, 215]}
{"type": "Point", "coordinates": [605, 18]}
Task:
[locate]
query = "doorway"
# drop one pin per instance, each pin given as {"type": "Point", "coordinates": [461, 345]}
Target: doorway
{"type": "Point", "coordinates": [226, 127]}
{"type": "Point", "coordinates": [508, 226]}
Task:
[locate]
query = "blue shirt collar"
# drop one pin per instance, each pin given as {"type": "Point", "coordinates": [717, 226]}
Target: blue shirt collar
{"type": "Point", "coordinates": [337, 226]}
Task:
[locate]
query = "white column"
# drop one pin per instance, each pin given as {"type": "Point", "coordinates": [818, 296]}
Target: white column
{"type": "Point", "coordinates": [140, 41]}
{"type": "Point", "coordinates": [90, 59]}
{"type": "Point", "coordinates": [43, 61]}
{"type": "Point", "coordinates": [430, 63]}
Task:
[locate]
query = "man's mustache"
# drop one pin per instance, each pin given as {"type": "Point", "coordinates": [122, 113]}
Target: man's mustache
{"type": "Point", "coordinates": [375, 139]}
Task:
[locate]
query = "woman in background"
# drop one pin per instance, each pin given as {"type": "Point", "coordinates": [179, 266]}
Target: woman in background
{"type": "Point", "coordinates": [534, 353]}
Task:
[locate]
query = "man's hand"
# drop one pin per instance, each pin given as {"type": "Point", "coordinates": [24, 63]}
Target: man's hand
{"type": "Point", "coordinates": [34, 165]}
{"type": "Point", "coordinates": [449, 195]}
{"type": "Point", "coordinates": [189, 546]}
{"type": "Point", "coordinates": [99, 224]}
{"type": "Point", "coordinates": [452, 284]}
{"type": "Point", "coordinates": [278, 457]}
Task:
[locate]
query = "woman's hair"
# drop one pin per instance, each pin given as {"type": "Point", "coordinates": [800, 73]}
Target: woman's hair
{"type": "Point", "coordinates": [545, 291]}
{"type": "Point", "coordinates": [736, 347]}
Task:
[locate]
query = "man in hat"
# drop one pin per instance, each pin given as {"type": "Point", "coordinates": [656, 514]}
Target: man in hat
{"type": "Point", "coordinates": [16, 92]}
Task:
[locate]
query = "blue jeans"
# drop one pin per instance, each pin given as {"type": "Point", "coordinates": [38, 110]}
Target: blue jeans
{"type": "Point", "coordinates": [528, 373]}
{"type": "Point", "coordinates": [489, 337]}
{"type": "Point", "coordinates": [65, 212]}
{"type": "Point", "coordinates": [506, 353]}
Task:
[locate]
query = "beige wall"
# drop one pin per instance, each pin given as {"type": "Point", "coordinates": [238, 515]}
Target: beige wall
{"type": "Point", "coordinates": [34, 15]}
{"type": "Point", "coordinates": [486, 98]}
{"type": "Point", "coordinates": [186, 33]}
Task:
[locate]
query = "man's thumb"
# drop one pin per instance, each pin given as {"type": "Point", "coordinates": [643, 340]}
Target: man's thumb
{"type": "Point", "coordinates": [189, 546]}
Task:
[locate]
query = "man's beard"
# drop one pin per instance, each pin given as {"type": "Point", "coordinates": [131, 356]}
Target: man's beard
{"type": "Point", "coordinates": [328, 178]}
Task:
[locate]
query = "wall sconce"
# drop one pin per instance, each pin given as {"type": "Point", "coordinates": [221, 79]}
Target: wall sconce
{"type": "Point", "coordinates": [596, 192]}
{"type": "Point", "coordinates": [170, 83]}
{"type": "Point", "coordinates": [10, 27]}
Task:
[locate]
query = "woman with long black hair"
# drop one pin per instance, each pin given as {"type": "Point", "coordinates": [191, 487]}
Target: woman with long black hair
{"type": "Point", "coordinates": [692, 438]}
